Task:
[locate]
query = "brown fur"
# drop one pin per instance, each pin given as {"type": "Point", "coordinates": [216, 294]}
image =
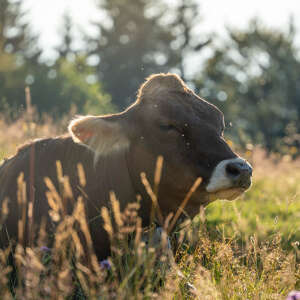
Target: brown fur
{"type": "Point", "coordinates": [167, 119]}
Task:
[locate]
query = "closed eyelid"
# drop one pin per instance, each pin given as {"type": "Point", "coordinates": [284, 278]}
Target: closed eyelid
{"type": "Point", "coordinates": [170, 126]}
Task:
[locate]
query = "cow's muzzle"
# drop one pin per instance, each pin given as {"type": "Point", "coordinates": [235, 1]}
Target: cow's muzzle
{"type": "Point", "coordinates": [230, 173]}
{"type": "Point", "coordinates": [240, 173]}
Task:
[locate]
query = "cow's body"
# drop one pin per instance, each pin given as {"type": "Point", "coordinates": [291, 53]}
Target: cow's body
{"type": "Point", "coordinates": [110, 173]}
{"type": "Point", "coordinates": [168, 120]}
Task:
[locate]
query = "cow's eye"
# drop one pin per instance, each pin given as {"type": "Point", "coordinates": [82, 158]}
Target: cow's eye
{"type": "Point", "coordinates": [168, 127]}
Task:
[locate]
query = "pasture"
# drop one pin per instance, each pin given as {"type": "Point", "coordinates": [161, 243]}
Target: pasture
{"type": "Point", "coordinates": [245, 249]}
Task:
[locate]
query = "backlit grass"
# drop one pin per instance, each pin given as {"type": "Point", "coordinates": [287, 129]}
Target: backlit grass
{"type": "Point", "coordinates": [245, 249]}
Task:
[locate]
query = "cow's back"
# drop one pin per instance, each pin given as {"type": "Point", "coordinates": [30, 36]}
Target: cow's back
{"type": "Point", "coordinates": [37, 160]}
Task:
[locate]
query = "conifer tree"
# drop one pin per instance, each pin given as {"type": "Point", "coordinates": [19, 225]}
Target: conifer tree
{"type": "Point", "coordinates": [18, 53]}
{"type": "Point", "coordinates": [15, 35]}
{"type": "Point", "coordinates": [132, 43]}
{"type": "Point", "coordinates": [254, 78]}
{"type": "Point", "coordinates": [65, 46]}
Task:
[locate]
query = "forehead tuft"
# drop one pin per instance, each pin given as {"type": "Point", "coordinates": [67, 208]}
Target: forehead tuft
{"type": "Point", "coordinates": [159, 83]}
{"type": "Point", "coordinates": [177, 102]}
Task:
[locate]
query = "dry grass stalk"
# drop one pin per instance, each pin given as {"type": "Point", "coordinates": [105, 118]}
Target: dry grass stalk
{"type": "Point", "coordinates": [4, 212]}
{"type": "Point", "coordinates": [158, 173]}
{"type": "Point", "coordinates": [31, 195]}
{"type": "Point", "coordinates": [183, 203]}
{"type": "Point", "coordinates": [22, 203]}
{"type": "Point", "coordinates": [116, 209]}
{"type": "Point", "coordinates": [153, 198]}
{"type": "Point", "coordinates": [81, 174]}
{"type": "Point", "coordinates": [29, 108]}
{"type": "Point", "coordinates": [107, 222]}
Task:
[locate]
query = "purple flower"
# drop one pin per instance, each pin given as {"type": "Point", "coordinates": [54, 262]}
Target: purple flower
{"type": "Point", "coordinates": [45, 249]}
{"type": "Point", "coordinates": [293, 295]}
{"type": "Point", "coordinates": [105, 264]}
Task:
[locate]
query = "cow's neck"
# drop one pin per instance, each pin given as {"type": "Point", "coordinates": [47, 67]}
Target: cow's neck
{"type": "Point", "coordinates": [113, 175]}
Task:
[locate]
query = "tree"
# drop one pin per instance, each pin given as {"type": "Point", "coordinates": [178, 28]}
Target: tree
{"type": "Point", "coordinates": [255, 81]}
{"type": "Point", "coordinates": [138, 38]}
{"type": "Point", "coordinates": [17, 48]}
{"type": "Point", "coordinates": [15, 34]}
{"type": "Point", "coordinates": [65, 48]}
{"type": "Point", "coordinates": [132, 43]}
{"type": "Point", "coordinates": [69, 83]}
{"type": "Point", "coordinates": [189, 40]}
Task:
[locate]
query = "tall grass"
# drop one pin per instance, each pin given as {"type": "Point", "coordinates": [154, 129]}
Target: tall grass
{"type": "Point", "coordinates": [246, 249]}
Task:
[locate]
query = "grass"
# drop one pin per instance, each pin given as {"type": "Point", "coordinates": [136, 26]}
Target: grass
{"type": "Point", "coordinates": [245, 249]}
{"type": "Point", "coordinates": [271, 207]}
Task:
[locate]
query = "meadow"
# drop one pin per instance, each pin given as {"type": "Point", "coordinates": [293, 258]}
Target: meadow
{"type": "Point", "coordinates": [245, 249]}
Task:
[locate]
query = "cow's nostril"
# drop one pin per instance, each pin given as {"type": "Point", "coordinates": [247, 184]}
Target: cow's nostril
{"type": "Point", "coordinates": [233, 170]}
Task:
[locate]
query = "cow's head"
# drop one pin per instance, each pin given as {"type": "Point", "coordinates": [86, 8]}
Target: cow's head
{"type": "Point", "coordinates": [168, 119]}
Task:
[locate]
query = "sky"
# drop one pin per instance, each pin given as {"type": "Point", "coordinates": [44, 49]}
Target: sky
{"type": "Point", "coordinates": [45, 16]}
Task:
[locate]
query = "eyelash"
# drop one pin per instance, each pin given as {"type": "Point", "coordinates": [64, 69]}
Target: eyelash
{"type": "Point", "coordinates": [168, 127]}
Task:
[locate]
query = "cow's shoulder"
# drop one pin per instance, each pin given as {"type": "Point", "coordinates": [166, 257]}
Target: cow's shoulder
{"type": "Point", "coordinates": [45, 143]}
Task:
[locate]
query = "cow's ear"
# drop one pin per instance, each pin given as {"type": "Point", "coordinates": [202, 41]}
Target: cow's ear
{"type": "Point", "coordinates": [155, 84]}
{"type": "Point", "coordinates": [103, 135]}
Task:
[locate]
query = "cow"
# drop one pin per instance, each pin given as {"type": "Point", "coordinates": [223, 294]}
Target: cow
{"type": "Point", "coordinates": [167, 119]}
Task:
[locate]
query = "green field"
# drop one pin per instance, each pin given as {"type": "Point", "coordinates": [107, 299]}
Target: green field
{"type": "Point", "coordinates": [270, 207]}
{"type": "Point", "coordinates": [245, 249]}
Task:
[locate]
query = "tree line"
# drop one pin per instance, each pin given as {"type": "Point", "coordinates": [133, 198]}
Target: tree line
{"type": "Point", "coordinates": [252, 76]}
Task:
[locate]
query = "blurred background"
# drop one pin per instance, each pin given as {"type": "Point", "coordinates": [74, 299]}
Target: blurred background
{"type": "Point", "coordinates": [91, 56]}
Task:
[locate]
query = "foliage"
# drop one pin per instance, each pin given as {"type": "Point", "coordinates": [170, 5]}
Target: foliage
{"type": "Point", "coordinates": [130, 46]}
{"type": "Point", "coordinates": [67, 84]}
{"type": "Point", "coordinates": [17, 45]}
{"type": "Point", "coordinates": [15, 34]}
{"type": "Point", "coordinates": [55, 88]}
{"type": "Point", "coordinates": [66, 46]}
{"type": "Point", "coordinates": [139, 38]}
{"type": "Point", "coordinates": [254, 79]}
{"type": "Point", "coordinates": [185, 22]}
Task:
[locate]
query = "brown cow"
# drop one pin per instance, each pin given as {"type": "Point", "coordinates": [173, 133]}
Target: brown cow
{"type": "Point", "coordinates": [167, 119]}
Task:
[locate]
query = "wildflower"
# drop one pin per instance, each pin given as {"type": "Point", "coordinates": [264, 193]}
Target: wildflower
{"type": "Point", "coordinates": [45, 249]}
{"type": "Point", "coordinates": [105, 264]}
{"type": "Point", "coordinates": [293, 295]}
